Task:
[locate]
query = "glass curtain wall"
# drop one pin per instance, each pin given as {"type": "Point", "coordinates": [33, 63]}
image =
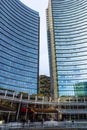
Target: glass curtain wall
{"type": "Point", "coordinates": [67, 42]}
{"type": "Point", "coordinates": [19, 45]}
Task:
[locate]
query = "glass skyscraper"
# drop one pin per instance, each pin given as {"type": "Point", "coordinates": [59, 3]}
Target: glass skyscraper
{"type": "Point", "coordinates": [19, 47]}
{"type": "Point", "coordinates": [67, 45]}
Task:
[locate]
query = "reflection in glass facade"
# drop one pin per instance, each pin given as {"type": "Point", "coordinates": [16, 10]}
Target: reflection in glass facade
{"type": "Point", "coordinates": [67, 43]}
{"type": "Point", "coordinates": [19, 47]}
{"type": "Point", "coordinates": [80, 89]}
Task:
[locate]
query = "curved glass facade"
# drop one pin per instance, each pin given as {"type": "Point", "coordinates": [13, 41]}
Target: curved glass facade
{"type": "Point", "coordinates": [19, 45]}
{"type": "Point", "coordinates": [68, 32]}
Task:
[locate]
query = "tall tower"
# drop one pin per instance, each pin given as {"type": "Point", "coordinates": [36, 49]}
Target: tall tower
{"type": "Point", "coordinates": [67, 46]}
{"type": "Point", "coordinates": [19, 47]}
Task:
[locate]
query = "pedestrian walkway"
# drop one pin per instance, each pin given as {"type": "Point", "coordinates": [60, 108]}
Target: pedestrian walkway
{"type": "Point", "coordinates": [54, 125]}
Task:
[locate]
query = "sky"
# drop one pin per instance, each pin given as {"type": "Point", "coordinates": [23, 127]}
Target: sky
{"type": "Point", "coordinates": [41, 6]}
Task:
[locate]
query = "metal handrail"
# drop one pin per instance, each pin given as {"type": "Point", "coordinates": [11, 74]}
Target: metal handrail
{"type": "Point", "coordinates": [12, 96]}
{"type": "Point", "coordinates": [64, 124]}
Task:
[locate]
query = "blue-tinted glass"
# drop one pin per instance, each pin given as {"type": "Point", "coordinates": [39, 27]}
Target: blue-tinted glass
{"type": "Point", "coordinates": [68, 46]}
{"type": "Point", "coordinates": [19, 46]}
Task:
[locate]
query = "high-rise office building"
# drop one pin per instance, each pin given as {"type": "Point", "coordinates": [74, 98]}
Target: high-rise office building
{"type": "Point", "coordinates": [19, 47]}
{"type": "Point", "coordinates": [67, 46]}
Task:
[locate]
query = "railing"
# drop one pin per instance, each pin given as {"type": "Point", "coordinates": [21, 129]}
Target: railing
{"type": "Point", "coordinates": [46, 124]}
{"type": "Point", "coordinates": [75, 111]}
{"type": "Point", "coordinates": [12, 96]}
